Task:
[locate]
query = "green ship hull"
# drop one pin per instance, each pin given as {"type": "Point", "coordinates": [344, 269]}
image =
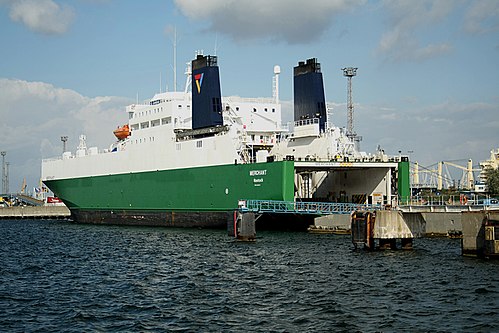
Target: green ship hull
{"type": "Point", "coordinates": [199, 196]}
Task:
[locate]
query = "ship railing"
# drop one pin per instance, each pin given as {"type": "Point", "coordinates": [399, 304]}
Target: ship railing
{"type": "Point", "coordinates": [476, 200]}
{"type": "Point", "coordinates": [238, 99]}
{"type": "Point", "coordinates": [344, 158]}
{"type": "Point", "coordinates": [52, 159]}
{"type": "Point", "coordinates": [304, 122]}
{"type": "Point", "coordinates": [459, 202]}
{"type": "Point", "coordinates": [302, 207]}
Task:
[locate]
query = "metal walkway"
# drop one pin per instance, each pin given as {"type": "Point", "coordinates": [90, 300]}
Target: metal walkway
{"type": "Point", "coordinates": [25, 199]}
{"type": "Point", "coordinates": [314, 208]}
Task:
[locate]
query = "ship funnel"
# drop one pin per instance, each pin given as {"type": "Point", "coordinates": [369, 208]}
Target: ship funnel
{"type": "Point", "coordinates": [309, 100]}
{"type": "Point", "coordinates": [206, 95]}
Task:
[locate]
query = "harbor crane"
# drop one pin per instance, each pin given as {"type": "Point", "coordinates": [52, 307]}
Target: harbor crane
{"type": "Point", "coordinates": [429, 177]}
{"type": "Point", "coordinates": [440, 177]}
{"type": "Point", "coordinates": [468, 178]}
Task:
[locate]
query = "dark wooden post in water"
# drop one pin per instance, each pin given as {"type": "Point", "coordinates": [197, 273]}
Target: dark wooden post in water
{"type": "Point", "coordinates": [362, 229]}
{"type": "Point", "coordinates": [242, 226]}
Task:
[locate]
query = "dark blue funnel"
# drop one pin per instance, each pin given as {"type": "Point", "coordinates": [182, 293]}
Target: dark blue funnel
{"type": "Point", "coordinates": [206, 96]}
{"type": "Point", "coordinates": [309, 97]}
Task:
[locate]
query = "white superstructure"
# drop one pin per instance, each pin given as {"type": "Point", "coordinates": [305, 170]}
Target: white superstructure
{"type": "Point", "coordinates": [159, 139]}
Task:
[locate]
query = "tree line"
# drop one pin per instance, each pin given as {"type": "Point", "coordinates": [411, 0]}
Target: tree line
{"type": "Point", "coordinates": [493, 181]}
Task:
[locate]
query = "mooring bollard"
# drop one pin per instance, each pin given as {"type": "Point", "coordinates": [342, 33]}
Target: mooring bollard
{"type": "Point", "coordinates": [242, 226]}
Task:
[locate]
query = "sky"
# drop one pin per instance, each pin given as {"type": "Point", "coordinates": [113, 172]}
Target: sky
{"type": "Point", "coordinates": [427, 83]}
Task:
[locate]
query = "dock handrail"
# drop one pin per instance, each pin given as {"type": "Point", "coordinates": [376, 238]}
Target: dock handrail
{"type": "Point", "coordinates": [300, 207]}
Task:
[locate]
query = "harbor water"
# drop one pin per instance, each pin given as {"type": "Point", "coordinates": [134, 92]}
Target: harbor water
{"type": "Point", "coordinates": [59, 276]}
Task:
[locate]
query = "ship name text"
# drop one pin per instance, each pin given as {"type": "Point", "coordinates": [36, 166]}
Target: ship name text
{"type": "Point", "coordinates": [253, 173]}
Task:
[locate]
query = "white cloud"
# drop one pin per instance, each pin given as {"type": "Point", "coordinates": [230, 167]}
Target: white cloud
{"type": "Point", "coordinates": [436, 132]}
{"type": "Point", "coordinates": [482, 17]}
{"type": "Point", "coordinates": [443, 131]}
{"type": "Point", "coordinates": [411, 25]}
{"type": "Point", "coordinates": [41, 16]}
{"type": "Point", "coordinates": [34, 115]}
{"type": "Point", "coordinates": [406, 20]}
{"type": "Point", "coordinates": [293, 21]}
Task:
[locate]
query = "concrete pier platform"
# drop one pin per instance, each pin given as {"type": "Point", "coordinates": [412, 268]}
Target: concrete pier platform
{"type": "Point", "coordinates": [391, 224]}
{"type": "Point", "coordinates": [435, 224]}
{"type": "Point", "coordinates": [386, 228]}
{"type": "Point", "coordinates": [334, 224]}
{"type": "Point", "coordinates": [32, 212]}
{"type": "Point", "coordinates": [480, 234]}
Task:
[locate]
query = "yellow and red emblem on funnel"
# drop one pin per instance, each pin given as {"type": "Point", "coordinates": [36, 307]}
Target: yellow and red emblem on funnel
{"type": "Point", "coordinates": [199, 81]}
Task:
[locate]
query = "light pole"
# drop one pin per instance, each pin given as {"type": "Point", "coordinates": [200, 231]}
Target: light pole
{"type": "Point", "coordinates": [3, 153]}
{"type": "Point", "coordinates": [349, 73]}
{"type": "Point", "coordinates": [414, 173]}
{"type": "Point", "coordinates": [7, 177]}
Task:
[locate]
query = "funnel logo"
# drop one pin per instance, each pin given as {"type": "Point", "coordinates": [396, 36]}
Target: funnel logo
{"type": "Point", "coordinates": [199, 81]}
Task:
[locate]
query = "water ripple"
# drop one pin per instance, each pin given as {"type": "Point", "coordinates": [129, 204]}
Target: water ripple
{"type": "Point", "coordinates": [57, 276]}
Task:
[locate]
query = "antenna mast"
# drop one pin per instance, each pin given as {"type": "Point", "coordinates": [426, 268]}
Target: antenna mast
{"type": "Point", "coordinates": [188, 80]}
{"type": "Point", "coordinates": [216, 44]}
{"type": "Point", "coordinates": [175, 59]}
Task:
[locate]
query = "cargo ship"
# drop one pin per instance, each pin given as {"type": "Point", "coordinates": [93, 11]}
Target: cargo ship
{"type": "Point", "coordinates": [187, 158]}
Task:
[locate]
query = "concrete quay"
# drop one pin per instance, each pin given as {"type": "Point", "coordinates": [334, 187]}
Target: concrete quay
{"type": "Point", "coordinates": [34, 212]}
{"type": "Point", "coordinates": [431, 224]}
{"type": "Point", "coordinates": [481, 234]}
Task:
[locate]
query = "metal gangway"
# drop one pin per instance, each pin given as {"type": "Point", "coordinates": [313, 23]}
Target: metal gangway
{"type": "Point", "coordinates": [301, 207]}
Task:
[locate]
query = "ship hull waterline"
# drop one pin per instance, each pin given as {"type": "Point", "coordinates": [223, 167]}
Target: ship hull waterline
{"type": "Point", "coordinates": [204, 197]}
{"type": "Point", "coordinates": [179, 219]}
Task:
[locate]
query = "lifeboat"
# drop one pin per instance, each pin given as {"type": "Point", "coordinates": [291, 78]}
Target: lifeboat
{"type": "Point", "coordinates": [122, 132]}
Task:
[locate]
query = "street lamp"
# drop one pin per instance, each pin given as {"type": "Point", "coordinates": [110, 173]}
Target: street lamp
{"type": "Point", "coordinates": [3, 153]}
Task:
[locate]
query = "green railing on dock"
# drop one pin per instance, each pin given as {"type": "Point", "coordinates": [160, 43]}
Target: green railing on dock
{"type": "Point", "coordinates": [299, 207]}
